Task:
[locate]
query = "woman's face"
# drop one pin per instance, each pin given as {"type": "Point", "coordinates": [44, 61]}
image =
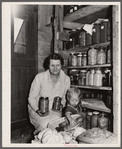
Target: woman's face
{"type": "Point", "coordinates": [55, 66]}
{"type": "Point", "coordinates": [74, 100]}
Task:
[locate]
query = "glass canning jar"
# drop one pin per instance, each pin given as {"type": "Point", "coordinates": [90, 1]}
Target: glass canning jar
{"type": "Point", "coordinates": [82, 77]}
{"type": "Point", "coordinates": [92, 56]}
{"type": "Point", "coordinates": [94, 119]}
{"type": "Point", "coordinates": [101, 56]}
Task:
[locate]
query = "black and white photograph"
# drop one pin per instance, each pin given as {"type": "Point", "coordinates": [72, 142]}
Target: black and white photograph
{"type": "Point", "coordinates": [61, 74]}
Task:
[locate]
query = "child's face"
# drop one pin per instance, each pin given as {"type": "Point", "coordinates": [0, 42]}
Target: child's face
{"type": "Point", "coordinates": [74, 100]}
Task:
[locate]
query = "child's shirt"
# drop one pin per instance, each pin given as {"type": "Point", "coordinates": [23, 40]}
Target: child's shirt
{"type": "Point", "coordinates": [70, 109]}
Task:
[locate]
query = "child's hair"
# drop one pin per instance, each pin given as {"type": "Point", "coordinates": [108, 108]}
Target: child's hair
{"type": "Point", "coordinates": [73, 90]}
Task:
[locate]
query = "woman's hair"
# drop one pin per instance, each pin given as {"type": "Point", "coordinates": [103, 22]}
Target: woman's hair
{"type": "Point", "coordinates": [72, 91]}
{"type": "Point", "coordinates": [53, 56]}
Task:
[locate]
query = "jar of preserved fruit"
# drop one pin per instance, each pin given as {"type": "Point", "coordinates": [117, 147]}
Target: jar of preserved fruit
{"type": "Point", "coordinates": [84, 59]}
{"type": "Point", "coordinates": [79, 59]}
{"type": "Point", "coordinates": [96, 33]}
{"type": "Point", "coordinates": [43, 105]}
{"type": "Point", "coordinates": [82, 77]}
{"type": "Point", "coordinates": [73, 74]}
{"type": "Point", "coordinates": [97, 81]}
{"type": "Point", "coordinates": [101, 56]}
{"type": "Point", "coordinates": [74, 59]}
{"type": "Point", "coordinates": [109, 55]}
{"type": "Point", "coordinates": [92, 56]}
{"type": "Point", "coordinates": [91, 77]}
{"type": "Point", "coordinates": [88, 39]}
{"type": "Point", "coordinates": [88, 120]}
{"type": "Point", "coordinates": [94, 119]}
{"type": "Point", "coordinates": [103, 121]}
{"type": "Point", "coordinates": [103, 32]}
{"type": "Point", "coordinates": [82, 38]}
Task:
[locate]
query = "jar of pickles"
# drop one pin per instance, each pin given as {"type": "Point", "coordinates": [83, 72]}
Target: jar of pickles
{"type": "Point", "coordinates": [92, 56]}
{"type": "Point", "coordinates": [82, 77]}
{"type": "Point", "coordinates": [101, 56]}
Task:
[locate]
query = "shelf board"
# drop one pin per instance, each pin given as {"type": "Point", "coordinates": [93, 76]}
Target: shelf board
{"type": "Point", "coordinates": [93, 87]}
{"type": "Point", "coordinates": [80, 49]}
{"type": "Point", "coordinates": [72, 25]}
{"type": "Point", "coordinates": [94, 66]}
{"type": "Point", "coordinates": [95, 104]}
{"type": "Point", "coordinates": [82, 15]}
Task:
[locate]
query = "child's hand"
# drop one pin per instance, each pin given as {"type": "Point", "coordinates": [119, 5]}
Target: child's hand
{"type": "Point", "coordinates": [72, 122]}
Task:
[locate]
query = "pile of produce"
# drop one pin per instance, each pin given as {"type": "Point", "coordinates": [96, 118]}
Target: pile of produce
{"type": "Point", "coordinates": [48, 136]}
{"type": "Point", "coordinates": [97, 136]}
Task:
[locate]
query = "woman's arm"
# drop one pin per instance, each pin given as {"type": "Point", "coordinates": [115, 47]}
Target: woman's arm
{"type": "Point", "coordinates": [67, 86]}
{"type": "Point", "coordinates": [34, 93]}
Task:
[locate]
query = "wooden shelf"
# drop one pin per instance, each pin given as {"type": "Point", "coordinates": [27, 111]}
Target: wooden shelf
{"type": "Point", "coordinates": [81, 67]}
{"type": "Point", "coordinates": [80, 49]}
{"type": "Point", "coordinates": [93, 87]}
{"type": "Point", "coordinates": [88, 14]}
{"type": "Point", "coordinates": [95, 104]}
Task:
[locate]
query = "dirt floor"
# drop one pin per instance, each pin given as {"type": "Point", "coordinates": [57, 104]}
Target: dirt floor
{"type": "Point", "coordinates": [24, 135]}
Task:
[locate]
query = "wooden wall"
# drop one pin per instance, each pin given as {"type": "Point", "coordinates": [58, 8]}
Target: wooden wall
{"type": "Point", "coordinates": [116, 67]}
{"type": "Point", "coordinates": [44, 34]}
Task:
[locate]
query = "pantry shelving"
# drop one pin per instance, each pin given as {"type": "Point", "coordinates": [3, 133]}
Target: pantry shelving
{"type": "Point", "coordinates": [82, 67]}
{"type": "Point", "coordinates": [88, 14]}
{"type": "Point", "coordinates": [93, 87]}
{"type": "Point", "coordinates": [95, 104]}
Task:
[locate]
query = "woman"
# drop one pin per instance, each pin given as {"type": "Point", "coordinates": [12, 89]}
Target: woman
{"type": "Point", "coordinates": [51, 83]}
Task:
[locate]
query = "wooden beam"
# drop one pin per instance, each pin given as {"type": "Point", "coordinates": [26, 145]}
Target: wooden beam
{"type": "Point", "coordinates": [85, 11]}
{"type": "Point", "coordinates": [72, 25]}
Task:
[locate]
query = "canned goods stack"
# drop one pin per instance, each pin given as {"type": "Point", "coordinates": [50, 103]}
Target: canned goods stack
{"type": "Point", "coordinates": [96, 119]}
{"type": "Point", "coordinates": [93, 56]}
{"type": "Point", "coordinates": [93, 77]}
{"type": "Point", "coordinates": [81, 38]}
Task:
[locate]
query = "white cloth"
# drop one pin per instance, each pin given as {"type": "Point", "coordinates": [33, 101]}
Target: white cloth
{"type": "Point", "coordinates": [43, 87]}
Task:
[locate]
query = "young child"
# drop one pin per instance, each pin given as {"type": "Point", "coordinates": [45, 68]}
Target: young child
{"type": "Point", "coordinates": [73, 105]}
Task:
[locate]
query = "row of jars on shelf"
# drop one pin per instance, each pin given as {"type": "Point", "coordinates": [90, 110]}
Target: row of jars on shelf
{"type": "Point", "coordinates": [80, 38]}
{"type": "Point", "coordinates": [92, 57]}
{"type": "Point", "coordinates": [68, 9]}
{"type": "Point", "coordinates": [97, 119]}
{"type": "Point", "coordinates": [92, 77]}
